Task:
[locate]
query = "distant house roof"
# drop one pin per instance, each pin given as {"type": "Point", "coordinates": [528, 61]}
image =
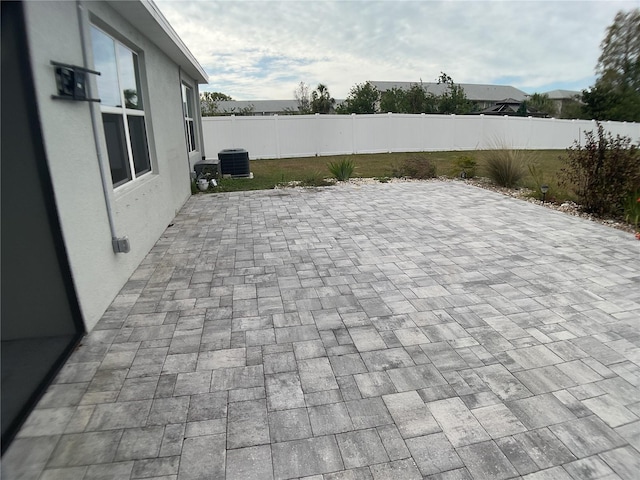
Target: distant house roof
{"type": "Point", "coordinates": [259, 107]}
{"type": "Point", "coordinates": [474, 91]}
{"type": "Point", "coordinates": [509, 106]}
{"type": "Point", "coordinates": [563, 94]}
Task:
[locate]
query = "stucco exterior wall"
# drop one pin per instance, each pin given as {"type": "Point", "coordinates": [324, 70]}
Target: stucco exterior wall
{"type": "Point", "coordinates": [142, 208]}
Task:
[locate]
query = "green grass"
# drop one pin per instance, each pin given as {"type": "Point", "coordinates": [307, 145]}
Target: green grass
{"type": "Point", "coordinates": [270, 173]}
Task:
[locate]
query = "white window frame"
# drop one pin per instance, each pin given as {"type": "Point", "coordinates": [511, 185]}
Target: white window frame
{"type": "Point", "coordinates": [189, 121]}
{"type": "Point", "coordinates": [125, 112]}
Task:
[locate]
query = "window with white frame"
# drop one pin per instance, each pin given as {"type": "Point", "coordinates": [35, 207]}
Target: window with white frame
{"type": "Point", "coordinates": [121, 106]}
{"type": "Point", "coordinates": [187, 107]}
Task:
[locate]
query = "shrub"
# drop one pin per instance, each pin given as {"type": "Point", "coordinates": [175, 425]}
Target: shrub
{"type": "Point", "coordinates": [417, 166]}
{"type": "Point", "coordinates": [632, 209]}
{"type": "Point", "coordinates": [465, 167]}
{"type": "Point", "coordinates": [537, 176]}
{"type": "Point", "coordinates": [315, 179]}
{"type": "Point", "coordinates": [603, 172]}
{"type": "Point", "coordinates": [506, 166]}
{"type": "Point", "coordinates": [342, 170]}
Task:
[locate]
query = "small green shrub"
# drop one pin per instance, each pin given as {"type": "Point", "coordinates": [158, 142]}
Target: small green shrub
{"type": "Point", "coordinates": [465, 167]}
{"type": "Point", "coordinates": [632, 209]}
{"type": "Point", "coordinates": [416, 166]}
{"type": "Point", "coordinates": [602, 172]}
{"type": "Point", "coordinates": [342, 170]}
{"type": "Point", "coordinates": [537, 175]}
{"type": "Point", "coordinates": [505, 166]}
{"type": "Point", "coordinates": [315, 179]}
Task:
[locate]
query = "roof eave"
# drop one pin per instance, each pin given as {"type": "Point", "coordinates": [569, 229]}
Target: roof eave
{"type": "Point", "coordinates": [148, 18]}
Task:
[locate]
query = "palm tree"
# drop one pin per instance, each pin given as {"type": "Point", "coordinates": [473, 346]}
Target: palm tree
{"type": "Point", "coordinates": [321, 101]}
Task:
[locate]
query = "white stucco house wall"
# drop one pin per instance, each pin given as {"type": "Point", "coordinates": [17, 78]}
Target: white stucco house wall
{"type": "Point", "coordinates": [87, 141]}
{"type": "Point", "coordinates": [100, 131]}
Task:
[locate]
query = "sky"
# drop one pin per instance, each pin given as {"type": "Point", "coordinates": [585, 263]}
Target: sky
{"type": "Point", "coordinates": [262, 50]}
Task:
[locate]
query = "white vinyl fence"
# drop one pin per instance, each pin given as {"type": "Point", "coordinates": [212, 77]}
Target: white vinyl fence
{"type": "Point", "coordinates": [317, 135]}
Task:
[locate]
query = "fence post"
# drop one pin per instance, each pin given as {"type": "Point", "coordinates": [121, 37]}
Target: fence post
{"type": "Point", "coordinates": [390, 131]}
{"type": "Point", "coordinates": [353, 134]}
{"type": "Point", "coordinates": [316, 121]}
{"type": "Point", "coordinates": [233, 131]}
{"type": "Point", "coordinates": [453, 131]}
{"type": "Point", "coordinates": [506, 131]}
{"type": "Point", "coordinates": [277, 129]}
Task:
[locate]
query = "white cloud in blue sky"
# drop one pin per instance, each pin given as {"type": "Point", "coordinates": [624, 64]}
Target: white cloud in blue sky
{"type": "Point", "coordinates": [262, 49]}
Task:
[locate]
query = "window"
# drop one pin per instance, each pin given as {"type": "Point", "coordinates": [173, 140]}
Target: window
{"type": "Point", "coordinates": [121, 106]}
{"type": "Point", "coordinates": [187, 107]}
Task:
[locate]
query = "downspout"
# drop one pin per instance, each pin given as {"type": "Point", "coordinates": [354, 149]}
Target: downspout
{"type": "Point", "coordinates": [119, 244]}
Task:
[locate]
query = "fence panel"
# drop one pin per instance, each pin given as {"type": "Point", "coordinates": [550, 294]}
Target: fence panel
{"type": "Point", "coordinates": [310, 135]}
{"type": "Point", "coordinates": [467, 132]}
{"type": "Point", "coordinates": [371, 133]}
{"type": "Point", "coordinates": [295, 134]}
{"type": "Point", "coordinates": [334, 134]}
{"type": "Point", "coordinates": [438, 133]}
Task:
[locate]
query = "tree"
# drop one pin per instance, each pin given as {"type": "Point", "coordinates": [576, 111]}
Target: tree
{"type": "Point", "coordinates": [453, 100]}
{"type": "Point", "coordinates": [574, 108]}
{"type": "Point", "coordinates": [616, 94]}
{"type": "Point", "coordinates": [417, 100]}
{"type": "Point", "coordinates": [321, 100]}
{"type": "Point", "coordinates": [130, 98]}
{"type": "Point", "coordinates": [239, 111]}
{"type": "Point", "coordinates": [363, 98]}
{"type": "Point", "coordinates": [543, 104]}
{"type": "Point", "coordinates": [619, 62]}
{"type": "Point", "coordinates": [301, 94]}
{"type": "Point", "coordinates": [393, 100]}
{"type": "Point", "coordinates": [523, 110]}
{"type": "Point", "coordinates": [414, 100]}
{"type": "Point", "coordinates": [601, 102]}
{"type": "Point", "coordinates": [209, 102]}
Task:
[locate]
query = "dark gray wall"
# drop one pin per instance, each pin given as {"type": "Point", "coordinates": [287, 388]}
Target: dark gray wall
{"type": "Point", "coordinates": [36, 301]}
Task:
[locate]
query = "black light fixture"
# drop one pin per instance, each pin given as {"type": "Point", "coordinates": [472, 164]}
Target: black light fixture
{"type": "Point", "coordinates": [71, 82]}
{"type": "Point", "coordinates": [544, 189]}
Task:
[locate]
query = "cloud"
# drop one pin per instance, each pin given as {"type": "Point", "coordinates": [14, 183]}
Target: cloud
{"type": "Point", "coordinates": [263, 49]}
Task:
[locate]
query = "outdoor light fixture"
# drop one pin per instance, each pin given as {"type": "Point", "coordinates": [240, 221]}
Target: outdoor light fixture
{"type": "Point", "coordinates": [71, 82]}
{"type": "Point", "coordinates": [544, 189]}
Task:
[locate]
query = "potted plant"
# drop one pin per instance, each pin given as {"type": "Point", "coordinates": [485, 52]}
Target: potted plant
{"type": "Point", "coordinates": [206, 179]}
{"type": "Point", "coordinates": [202, 183]}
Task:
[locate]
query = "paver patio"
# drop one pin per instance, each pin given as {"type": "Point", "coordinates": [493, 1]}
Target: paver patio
{"type": "Point", "coordinates": [389, 331]}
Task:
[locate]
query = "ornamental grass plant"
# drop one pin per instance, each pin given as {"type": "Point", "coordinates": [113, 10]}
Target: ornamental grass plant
{"type": "Point", "coordinates": [505, 166]}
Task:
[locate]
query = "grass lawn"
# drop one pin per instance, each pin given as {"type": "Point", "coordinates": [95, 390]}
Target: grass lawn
{"type": "Point", "coordinates": [270, 173]}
